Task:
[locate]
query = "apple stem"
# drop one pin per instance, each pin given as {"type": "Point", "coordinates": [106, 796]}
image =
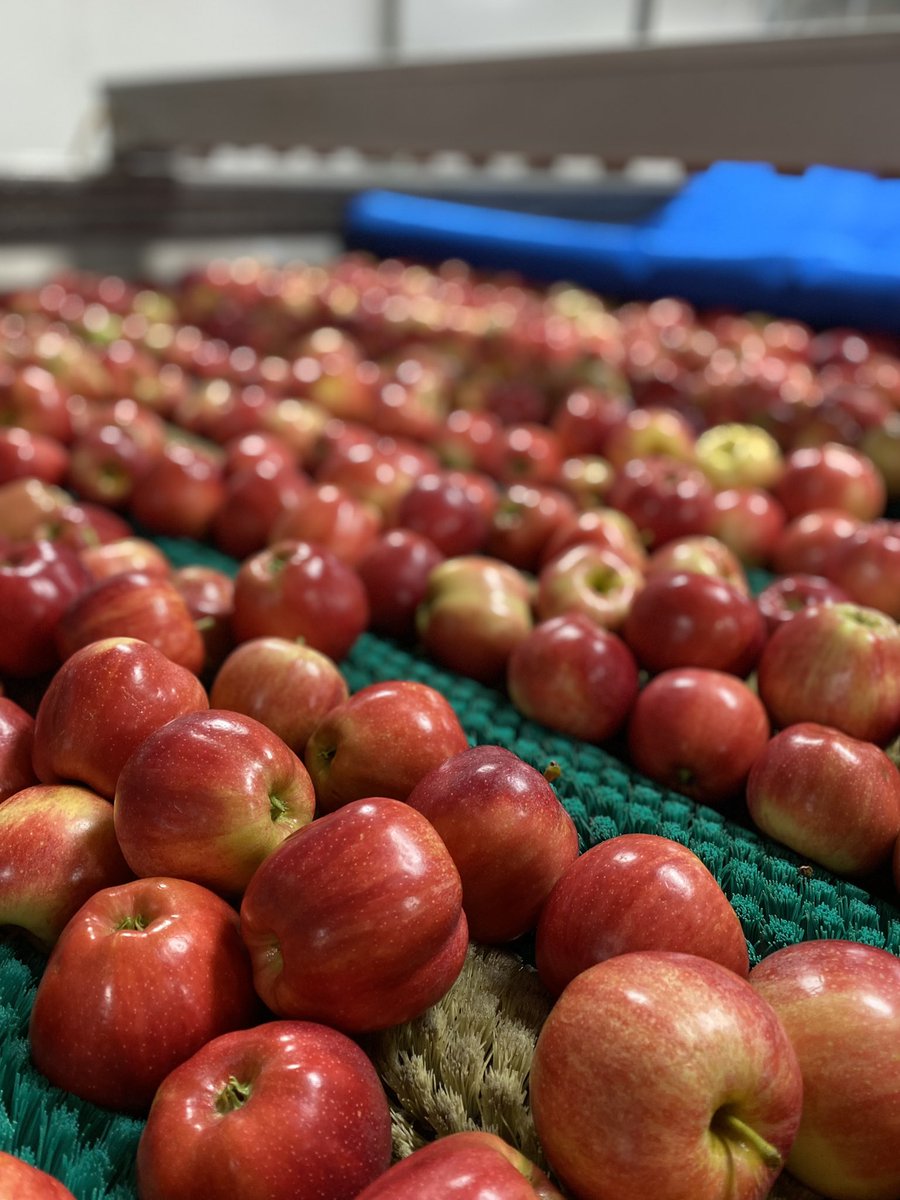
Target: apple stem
{"type": "Point", "coordinates": [277, 807]}
{"type": "Point", "coordinates": [233, 1095]}
{"type": "Point", "coordinates": [134, 922]}
{"type": "Point", "coordinates": [728, 1124]}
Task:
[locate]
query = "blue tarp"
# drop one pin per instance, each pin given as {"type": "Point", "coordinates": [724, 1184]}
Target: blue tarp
{"type": "Point", "coordinates": [823, 246]}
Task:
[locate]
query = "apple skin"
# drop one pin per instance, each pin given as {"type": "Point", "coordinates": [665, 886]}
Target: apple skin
{"type": "Point", "coordinates": [571, 675]}
{"type": "Point", "coordinates": [330, 517]}
{"type": "Point", "coordinates": [288, 686]}
{"type": "Point", "coordinates": [665, 498]}
{"type": "Point", "coordinates": [637, 1068]}
{"type": "Point", "coordinates": [19, 1180]}
{"type": "Point", "coordinates": [507, 833]}
{"type": "Point", "coordinates": [839, 1002]}
{"type": "Point", "coordinates": [811, 544]}
{"type": "Point", "coordinates": [831, 476]}
{"type": "Point", "coordinates": [209, 596]}
{"type": "Point", "coordinates": [357, 920]}
{"type": "Point", "coordinates": [702, 555]}
{"type": "Point", "coordinates": [867, 566]}
{"type": "Point", "coordinates": [475, 611]}
{"type": "Point", "coordinates": [211, 1117]}
{"type": "Point", "coordinates": [207, 797]}
{"type": "Point", "coordinates": [749, 521]}
{"type": "Point", "coordinates": [395, 575]}
{"type": "Point", "coordinates": [526, 517]}
{"type": "Point", "coordinates": [381, 741]}
{"type": "Point", "coordinates": [781, 600]}
{"type": "Point", "coordinates": [16, 743]}
{"type": "Point", "coordinates": [591, 580]}
{"type": "Point", "coordinates": [469, 1166]}
{"type": "Point", "coordinates": [300, 590]}
{"type": "Point", "coordinates": [58, 847]}
{"type": "Point", "coordinates": [836, 665]}
{"type": "Point", "coordinates": [180, 494]}
{"type": "Point", "coordinates": [125, 555]}
{"type": "Point", "coordinates": [137, 605]}
{"type": "Point", "coordinates": [26, 455]}
{"type": "Point", "coordinates": [637, 891]}
{"type": "Point", "coordinates": [38, 582]}
{"type": "Point", "coordinates": [452, 515]}
{"type": "Point", "coordinates": [101, 704]}
{"type": "Point", "coordinates": [141, 977]}
{"type": "Point", "coordinates": [828, 796]}
{"type": "Point", "coordinates": [698, 732]}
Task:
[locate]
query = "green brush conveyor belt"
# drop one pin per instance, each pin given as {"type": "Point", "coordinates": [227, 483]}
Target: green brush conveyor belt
{"type": "Point", "coordinates": [92, 1152]}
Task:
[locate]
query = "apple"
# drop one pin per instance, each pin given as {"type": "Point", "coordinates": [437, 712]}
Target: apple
{"type": "Point", "coordinates": [105, 461]}
{"type": "Point", "coordinates": [649, 432]}
{"type": "Point", "coordinates": [181, 493]}
{"type": "Point", "coordinates": [288, 686]}
{"type": "Point", "coordinates": [829, 797]}
{"type": "Point", "coordinates": [143, 975]}
{"type": "Point", "coordinates": [831, 476]}
{"type": "Point", "coordinates": [591, 580]}
{"type": "Point", "coordinates": [525, 519]}
{"type": "Point", "coordinates": [507, 833]}
{"type": "Point", "coordinates": [895, 865]}
{"type": "Point", "coordinates": [586, 479]}
{"type": "Point", "coordinates": [686, 619]}
{"type": "Point", "coordinates": [101, 704]}
{"type": "Point", "coordinates": [212, 1116]}
{"type": "Point", "coordinates": [395, 573]}
{"type": "Point", "coordinates": [664, 497]}
{"type": "Point", "coordinates": [123, 556]}
{"type": "Point", "coordinates": [571, 675]}
{"type": "Point", "coordinates": [469, 1166]}
{"type": "Point", "coordinates": [207, 797]}
{"type": "Point", "coordinates": [475, 611]}
{"type": "Point", "coordinates": [381, 742]}
{"type": "Point", "coordinates": [749, 521]}
{"type": "Point", "coordinates": [255, 500]}
{"type": "Point", "coordinates": [330, 517]}
{"type": "Point", "coordinates": [470, 441]}
{"type": "Point", "coordinates": [585, 417]}
{"type": "Point", "coordinates": [208, 593]}
{"type": "Point", "coordinates": [38, 582]}
{"type": "Point", "coordinates": [835, 665]}
{"type": "Point", "coordinates": [250, 449]}
{"type": "Point", "coordinates": [26, 504]}
{"type": "Point", "coordinates": [734, 455]}
{"type": "Point", "coordinates": [299, 590]}
{"type": "Point", "coordinates": [443, 507]}
{"type": "Point", "coordinates": [867, 567]}
{"type": "Point", "coordinates": [529, 453]}
{"type": "Point", "coordinates": [604, 527]}
{"type": "Point", "coordinates": [666, 1075]}
{"type": "Point", "coordinates": [34, 400]}
{"type": "Point", "coordinates": [702, 555]}
{"type": "Point", "coordinates": [26, 455]}
{"type": "Point", "coordinates": [698, 732]}
{"type": "Point", "coordinates": [16, 743]}
{"type": "Point", "coordinates": [58, 847]}
{"type": "Point", "coordinates": [19, 1180]}
{"type": "Point", "coordinates": [811, 544]}
{"type": "Point", "coordinates": [356, 920]}
{"type": "Point", "coordinates": [781, 600]}
{"type": "Point", "coordinates": [136, 605]}
{"type": "Point", "coordinates": [839, 1002]}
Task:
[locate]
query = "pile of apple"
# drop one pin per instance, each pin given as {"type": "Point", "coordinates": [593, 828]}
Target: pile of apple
{"type": "Point", "coordinates": [240, 868]}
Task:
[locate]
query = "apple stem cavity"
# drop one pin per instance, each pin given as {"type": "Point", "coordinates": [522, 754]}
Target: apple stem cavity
{"type": "Point", "coordinates": [277, 807]}
{"type": "Point", "coordinates": [135, 922]}
{"type": "Point", "coordinates": [728, 1126]}
{"type": "Point", "coordinates": [233, 1095]}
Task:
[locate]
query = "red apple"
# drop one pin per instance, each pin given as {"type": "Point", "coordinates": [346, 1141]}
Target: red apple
{"type": "Point", "coordinates": [781, 600]}
{"type": "Point", "coordinates": [106, 461]}
{"type": "Point", "coordinates": [330, 517]}
{"type": "Point", "coordinates": [828, 796]}
{"type": "Point", "coordinates": [831, 476]}
{"type": "Point", "coordinates": [585, 418]}
{"type": "Point", "coordinates": [698, 732]}
{"type": "Point", "coordinates": [180, 494]}
{"type": "Point", "coordinates": [470, 441]}
{"type": "Point", "coordinates": [299, 590]}
{"type": "Point", "coordinates": [38, 582]}
{"type": "Point", "coordinates": [524, 521]}
{"type": "Point", "coordinates": [443, 507]}
{"type": "Point", "coordinates": [637, 891]}
{"type": "Point", "coordinates": [26, 455]}
{"type": "Point", "coordinates": [26, 505]}
{"type": "Point", "coordinates": [666, 1075]}
{"type": "Point", "coordinates": [603, 527]}
{"type": "Point", "coordinates": [590, 580]}
{"type": "Point", "coordinates": [123, 556]}
{"type": "Point", "coordinates": [867, 567]}
{"type": "Point", "coordinates": [467, 1166]}
{"type": "Point", "coordinates": [101, 704]}
{"type": "Point", "coordinates": [701, 555]}
{"type": "Point", "coordinates": [685, 619]}
{"type": "Point", "coordinates": [142, 976]}
{"type": "Point", "coordinates": [255, 500]}
{"type": "Point", "coordinates": [664, 498]}
{"type": "Point", "coordinates": [207, 797]}
{"type": "Point", "coordinates": [529, 453]}
{"type": "Point", "coordinates": [288, 686]}
{"type": "Point", "coordinates": [836, 665]}
{"type": "Point", "coordinates": [811, 544]}
{"type": "Point", "coordinates": [16, 742]}
{"type": "Point", "coordinates": [395, 573]}
{"type": "Point", "coordinates": [357, 920]}
{"type": "Point", "coordinates": [749, 521]}
{"type": "Point", "coordinates": [208, 593]}
{"type": "Point", "coordinates": [249, 449]}
{"type": "Point", "coordinates": [134, 605]}
{"type": "Point", "coordinates": [306, 1093]}
{"type": "Point", "coordinates": [381, 742]}
{"type": "Point", "coordinates": [572, 675]}
{"type": "Point", "coordinates": [34, 400]}
{"type": "Point", "coordinates": [839, 1003]}
{"type": "Point", "coordinates": [507, 833]}
{"type": "Point", "coordinates": [19, 1180]}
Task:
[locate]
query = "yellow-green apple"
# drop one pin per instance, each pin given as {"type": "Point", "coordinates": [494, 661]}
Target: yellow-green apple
{"type": "Point", "coordinates": [288, 686]}
{"type": "Point", "coordinates": [572, 675]}
{"type": "Point", "coordinates": [586, 479]}
{"type": "Point", "coordinates": [468, 1166]}
{"type": "Point", "coordinates": [16, 742]}
{"type": "Point", "coordinates": [686, 619]}
{"type": "Point", "coordinates": [213, 1114]}
{"type": "Point", "coordinates": [207, 797]}
{"type": "Point", "coordinates": [702, 555]}
{"type": "Point", "coordinates": [591, 580]}
{"type": "Point", "coordinates": [831, 476]}
{"type": "Point", "coordinates": [836, 665]}
{"type": "Point", "coordinates": [666, 1075]}
{"type": "Point", "coordinates": [101, 704]}
{"type": "Point", "coordinates": [698, 732]}
{"type": "Point", "coordinates": [142, 976]}
{"type": "Point", "coordinates": [507, 833]}
{"type": "Point", "coordinates": [784, 597]}
{"type": "Point", "coordinates": [19, 1180]}
{"type": "Point", "coordinates": [395, 575]}
{"type": "Point", "coordinates": [57, 848]}
{"type": "Point", "coordinates": [643, 433]}
{"type": "Point", "coordinates": [356, 920]}
{"type": "Point", "coordinates": [136, 605]}
{"type": "Point", "coordinates": [881, 444]}
{"type": "Point", "coordinates": [829, 796]}
{"type": "Point", "coordinates": [381, 742]}
{"type": "Point", "coordinates": [749, 521]}
{"type": "Point", "coordinates": [38, 582]}
{"type": "Point", "coordinates": [839, 1002]}
{"type": "Point", "coordinates": [300, 590]}
{"type": "Point", "coordinates": [637, 891]}
{"type": "Point", "coordinates": [736, 455]}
